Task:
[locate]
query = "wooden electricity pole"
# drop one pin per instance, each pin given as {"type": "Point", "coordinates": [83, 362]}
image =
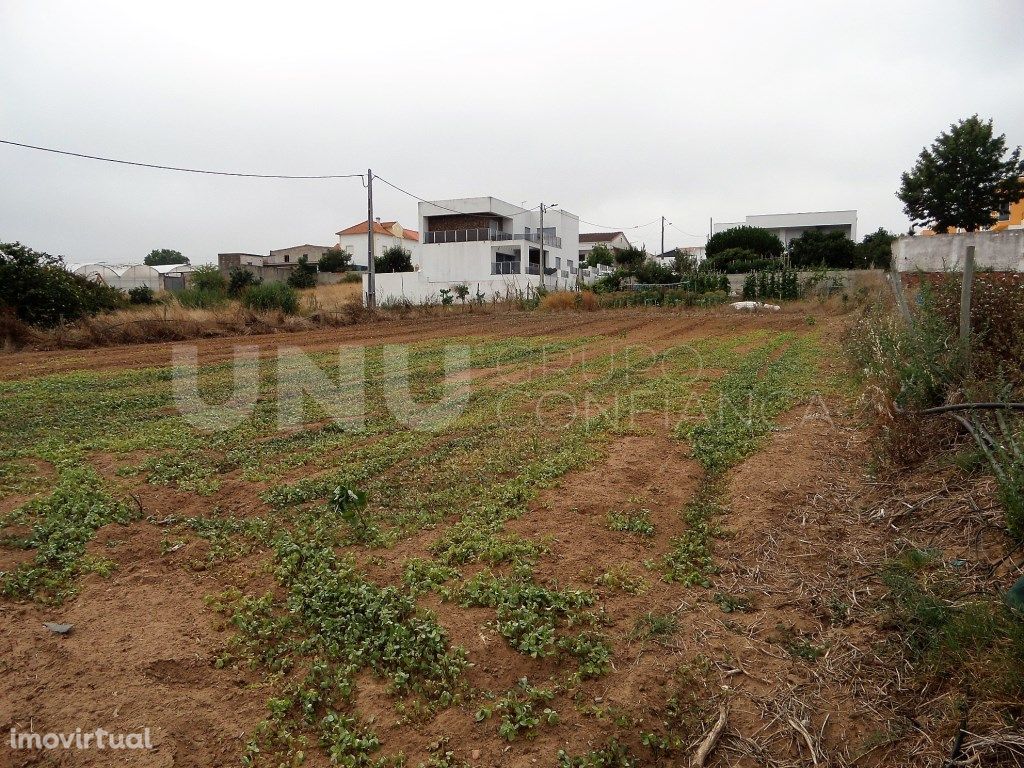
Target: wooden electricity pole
{"type": "Point", "coordinates": [662, 251]}
{"type": "Point", "coordinates": [540, 242]}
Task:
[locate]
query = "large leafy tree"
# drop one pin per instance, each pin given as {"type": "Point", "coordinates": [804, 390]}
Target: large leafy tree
{"type": "Point", "coordinates": [335, 260]}
{"type": "Point", "coordinates": [160, 256]}
{"type": "Point", "coordinates": [760, 241]}
{"type": "Point", "coordinates": [813, 248]}
{"type": "Point", "coordinates": [962, 178]}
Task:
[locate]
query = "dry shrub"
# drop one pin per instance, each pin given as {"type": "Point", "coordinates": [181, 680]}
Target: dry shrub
{"type": "Point", "coordinates": [558, 301]}
{"type": "Point", "coordinates": [589, 301]}
{"type": "Point", "coordinates": [14, 332]}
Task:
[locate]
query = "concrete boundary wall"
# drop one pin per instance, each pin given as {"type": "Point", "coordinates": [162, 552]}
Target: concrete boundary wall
{"type": "Point", "coordinates": [415, 288]}
{"type": "Point", "coordinates": [996, 251]}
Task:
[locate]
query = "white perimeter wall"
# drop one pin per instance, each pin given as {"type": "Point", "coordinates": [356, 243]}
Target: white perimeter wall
{"type": "Point", "coordinates": [998, 251]}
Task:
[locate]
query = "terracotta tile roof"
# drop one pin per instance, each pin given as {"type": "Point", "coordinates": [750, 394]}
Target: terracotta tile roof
{"type": "Point", "coordinates": [380, 228]}
{"type": "Point", "coordinates": [597, 237]}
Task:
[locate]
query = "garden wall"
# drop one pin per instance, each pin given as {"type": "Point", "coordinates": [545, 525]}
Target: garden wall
{"type": "Point", "coordinates": [995, 251]}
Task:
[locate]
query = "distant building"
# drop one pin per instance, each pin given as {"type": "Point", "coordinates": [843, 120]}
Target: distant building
{"type": "Point", "coordinates": [615, 241]}
{"type": "Point", "coordinates": [261, 266]}
{"type": "Point", "coordinates": [296, 252]}
{"type": "Point", "coordinates": [696, 254]}
{"type": "Point", "coordinates": [789, 226]}
{"type": "Point", "coordinates": [386, 234]}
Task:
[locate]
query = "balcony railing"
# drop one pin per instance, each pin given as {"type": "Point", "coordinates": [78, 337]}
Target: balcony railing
{"type": "Point", "coordinates": [480, 235]}
{"type": "Point", "coordinates": [506, 267]}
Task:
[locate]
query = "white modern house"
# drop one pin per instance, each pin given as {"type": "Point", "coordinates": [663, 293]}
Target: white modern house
{"type": "Point", "coordinates": [386, 234]}
{"type": "Point", "coordinates": [789, 226]}
{"type": "Point", "coordinates": [492, 246]}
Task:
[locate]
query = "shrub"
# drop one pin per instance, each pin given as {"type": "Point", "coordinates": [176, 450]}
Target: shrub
{"type": "Point", "coordinates": [304, 274]}
{"type": "Point", "coordinates": [833, 249]}
{"type": "Point", "coordinates": [588, 301]}
{"type": "Point", "coordinates": [651, 272]}
{"type": "Point", "coordinates": [41, 292]}
{"type": "Point", "coordinates": [200, 298]}
{"type": "Point", "coordinates": [335, 260]}
{"type": "Point", "coordinates": [208, 278]}
{"type": "Point", "coordinates": [738, 260]}
{"type": "Point", "coordinates": [608, 284]}
{"type": "Point", "coordinates": [759, 241]}
{"type": "Point", "coordinates": [630, 258]}
{"type": "Point", "coordinates": [394, 259]}
{"type": "Point", "coordinates": [558, 301]}
{"type": "Point", "coordinates": [600, 255]}
{"type": "Point", "coordinates": [266, 297]}
{"type": "Point", "coordinates": [143, 294]}
{"type": "Point", "coordinates": [240, 280]}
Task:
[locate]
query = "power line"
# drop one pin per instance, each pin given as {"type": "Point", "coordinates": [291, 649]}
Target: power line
{"type": "Point", "coordinates": [430, 202]}
{"type": "Point", "coordinates": [181, 170]}
{"type": "Point", "coordinates": [620, 229]}
{"type": "Point", "coordinates": [683, 231]}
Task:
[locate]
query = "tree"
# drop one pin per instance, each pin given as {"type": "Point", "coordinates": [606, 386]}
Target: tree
{"type": "Point", "coordinates": [335, 260]}
{"type": "Point", "coordinates": [683, 263]}
{"type": "Point", "coordinates": [600, 256]}
{"type": "Point", "coordinates": [962, 179]}
{"type": "Point", "coordinates": [630, 258]}
{"type": "Point", "coordinates": [394, 259]}
{"type": "Point", "coordinates": [760, 241]}
{"type": "Point", "coordinates": [160, 256]}
{"type": "Point", "coordinates": [814, 248]}
{"type": "Point", "coordinates": [875, 250]}
{"type": "Point", "coordinates": [304, 274]}
{"type": "Point", "coordinates": [39, 291]}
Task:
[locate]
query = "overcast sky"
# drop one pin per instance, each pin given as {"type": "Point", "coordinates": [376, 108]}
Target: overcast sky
{"type": "Point", "coordinates": [620, 112]}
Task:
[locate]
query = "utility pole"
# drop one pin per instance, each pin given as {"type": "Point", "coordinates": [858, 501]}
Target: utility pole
{"type": "Point", "coordinates": [662, 251]}
{"type": "Point", "coordinates": [540, 241]}
{"type": "Point", "coordinates": [371, 267]}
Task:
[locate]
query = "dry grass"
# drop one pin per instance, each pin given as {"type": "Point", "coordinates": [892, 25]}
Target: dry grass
{"type": "Point", "coordinates": [562, 300]}
{"type": "Point", "coordinates": [332, 297]}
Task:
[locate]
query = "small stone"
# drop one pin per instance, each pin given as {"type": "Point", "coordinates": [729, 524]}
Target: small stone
{"type": "Point", "coordinates": [475, 754]}
{"type": "Point", "coordinates": [59, 629]}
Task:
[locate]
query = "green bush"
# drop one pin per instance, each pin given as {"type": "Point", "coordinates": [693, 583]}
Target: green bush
{"type": "Point", "coordinates": [394, 259]}
{"type": "Point", "coordinates": [240, 280]}
{"type": "Point", "coordinates": [759, 241]}
{"type": "Point", "coordinates": [200, 298]}
{"type": "Point", "coordinates": [304, 274]}
{"type": "Point", "coordinates": [41, 292]}
{"type": "Point", "coordinates": [833, 249]}
{"type": "Point", "coordinates": [266, 297]}
{"type": "Point", "coordinates": [143, 294]}
{"type": "Point", "coordinates": [335, 260]}
{"type": "Point", "coordinates": [738, 260]}
{"type": "Point", "coordinates": [208, 278]}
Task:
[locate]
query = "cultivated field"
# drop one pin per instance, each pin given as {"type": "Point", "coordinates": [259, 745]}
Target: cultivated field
{"type": "Point", "coordinates": [636, 526]}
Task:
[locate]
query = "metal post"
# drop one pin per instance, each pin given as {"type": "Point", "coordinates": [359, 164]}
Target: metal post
{"type": "Point", "coordinates": [965, 301]}
{"type": "Point", "coordinates": [662, 251]}
{"type": "Point", "coordinates": [371, 267]}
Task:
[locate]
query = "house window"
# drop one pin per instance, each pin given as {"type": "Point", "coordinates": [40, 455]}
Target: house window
{"type": "Point", "coordinates": [558, 260]}
{"type": "Point", "coordinates": [287, 258]}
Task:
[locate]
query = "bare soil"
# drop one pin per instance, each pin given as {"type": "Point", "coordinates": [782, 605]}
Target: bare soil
{"type": "Point", "coordinates": [798, 661]}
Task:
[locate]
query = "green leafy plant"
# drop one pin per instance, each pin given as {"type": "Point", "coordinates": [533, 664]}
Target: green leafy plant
{"type": "Point", "coordinates": [638, 522]}
{"type": "Point", "coordinates": [520, 711]}
{"type": "Point", "coordinates": [267, 297]}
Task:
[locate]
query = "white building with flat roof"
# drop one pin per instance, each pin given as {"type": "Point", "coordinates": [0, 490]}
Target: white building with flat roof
{"type": "Point", "coordinates": [789, 226]}
{"type": "Point", "coordinates": [490, 245]}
